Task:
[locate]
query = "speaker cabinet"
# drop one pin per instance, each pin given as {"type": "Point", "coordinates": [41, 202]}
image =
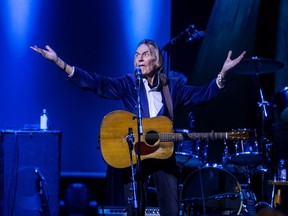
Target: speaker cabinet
{"type": "Point", "coordinates": [30, 173]}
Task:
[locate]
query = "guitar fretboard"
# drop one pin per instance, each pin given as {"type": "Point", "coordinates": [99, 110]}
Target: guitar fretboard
{"type": "Point", "coordinates": [171, 137]}
{"type": "Point", "coordinates": [194, 136]}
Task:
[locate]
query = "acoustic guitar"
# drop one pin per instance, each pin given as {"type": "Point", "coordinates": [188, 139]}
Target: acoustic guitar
{"type": "Point", "coordinates": [119, 131]}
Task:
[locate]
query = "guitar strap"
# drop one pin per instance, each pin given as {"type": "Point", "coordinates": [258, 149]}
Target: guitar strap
{"type": "Point", "coordinates": [168, 100]}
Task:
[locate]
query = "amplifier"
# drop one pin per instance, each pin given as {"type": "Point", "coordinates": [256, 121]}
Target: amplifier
{"type": "Point", "coordinates": [118, 210]}
{"type": "Point", "coordinates": [30, 172]}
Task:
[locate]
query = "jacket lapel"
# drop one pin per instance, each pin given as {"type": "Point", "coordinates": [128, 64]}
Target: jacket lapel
{"type": "Point", "coordinates": [144, 101]}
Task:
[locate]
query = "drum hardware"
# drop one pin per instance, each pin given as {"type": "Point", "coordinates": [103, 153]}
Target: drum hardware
{"type": "Point", "coordinates": [211, 190]}
{"type": "Point", "coordinates": [246, 153]}
{"type": "Point", "coordinates": [245, 172]}
{"type": "Point", "coordinates": [214, 190]}
{"type": "Point", "coordinates": [249, 197]}
{"type": "Point", "coordinates": [190, 153]}
{"type": "Point", "coordinates": [214, 197]}
{"type": "Point", "coordinates": [256, 66]}
{"type": "Point", "coordinates": [188, 204]}
{"type": "Point", "coordinates": [242, 152]}
{"type": "Point", "coordinates": [225, 153]}
{"type": "Point", "coordinates": [261, 205]}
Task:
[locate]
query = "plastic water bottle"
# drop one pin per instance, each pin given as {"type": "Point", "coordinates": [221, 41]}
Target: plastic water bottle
{"type": "Point", "coordinates": [282, 170]}
{"type": "Point", "coordinates": [44, 120]}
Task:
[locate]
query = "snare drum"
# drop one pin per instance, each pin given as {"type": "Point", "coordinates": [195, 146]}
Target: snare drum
{"type": "Point", "coordinates": [190, 153]}
{"type": "Point", "coordinates": [213, 189]}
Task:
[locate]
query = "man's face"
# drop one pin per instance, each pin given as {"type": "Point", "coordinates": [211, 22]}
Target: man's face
{"type": "Point", "coordinates": [145, 58]}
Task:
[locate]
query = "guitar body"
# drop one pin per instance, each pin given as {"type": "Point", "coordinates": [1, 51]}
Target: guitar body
{"type": "Point", "coordinates": [115, 148]}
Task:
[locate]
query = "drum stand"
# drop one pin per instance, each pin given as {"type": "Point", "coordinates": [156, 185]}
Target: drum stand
{"type": "Point", "coordinates": [249, 197]}
{"type": "Point", "coordinates": [190, 163]}
{"type": "Point", "coordinates": [264, 142]}
{"type": "Point", "coordinates": [246, 168]}
{"type": "Point", "coordinates": [256, 66]}
{"type": "Point", "coordinates": [180, 186]}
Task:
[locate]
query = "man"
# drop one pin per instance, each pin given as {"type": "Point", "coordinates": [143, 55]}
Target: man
{"type": "Point", "coordinates": [154, 102]}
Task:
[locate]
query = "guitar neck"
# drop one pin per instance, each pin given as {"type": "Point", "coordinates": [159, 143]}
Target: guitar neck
{"type": "Point", "coordinates": [170, 137]}
{"type": "Point", "coordinates": [212, 135]}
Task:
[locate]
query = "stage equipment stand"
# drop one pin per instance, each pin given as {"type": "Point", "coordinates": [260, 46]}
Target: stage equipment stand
{"type": "Point", "coordinates": [132, 201]}
{"type": "Point", "coordinates": [188, 35]}
{"type": "Point", "coordinates": [249, 199]}
{"type": "Point", "coordinates": [30, 172]}
{"type": "Point", "coordinates": [136, 203]}
{"type": "Point", "coordinates": [256, 66]}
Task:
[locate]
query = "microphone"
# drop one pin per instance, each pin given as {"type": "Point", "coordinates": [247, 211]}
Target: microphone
{"type": "Point", "coordinates": [195, 35]}
{"type": "Point", "coordinates": [39, 174]}
{"type": "Point", "coordinates": [190, 32]}
{"type": "Point", "coordinates": [138, 74]}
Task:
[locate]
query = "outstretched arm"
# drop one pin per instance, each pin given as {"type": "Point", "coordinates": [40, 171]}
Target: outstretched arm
{"type": "Point", "coordinates": [228, 64]}
{"type": "Point", "coordinates": [51, 55]}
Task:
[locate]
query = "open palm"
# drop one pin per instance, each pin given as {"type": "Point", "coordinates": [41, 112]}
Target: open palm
{"type": "Point", "coordinates": [48, 53]}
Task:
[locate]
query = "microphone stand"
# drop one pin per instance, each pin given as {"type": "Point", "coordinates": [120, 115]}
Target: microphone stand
{"type": "Point", "coordinates": [45, 210]}
{"type": "Point", "coordinates": [132, 201]}
{"type": "Point", "coordinates": [138, 74]}
{"type": "Point", "coordinates": [189, 34]}
{"type": "Point", "coordinates": [167, 47]}
{"type": "Point", "coordinates": [141, 209]}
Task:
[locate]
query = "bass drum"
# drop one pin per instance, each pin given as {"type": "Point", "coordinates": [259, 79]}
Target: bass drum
{"type": "Point", "coordinates": [211, 190]}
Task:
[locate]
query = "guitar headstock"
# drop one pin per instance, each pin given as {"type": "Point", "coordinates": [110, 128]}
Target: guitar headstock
{"type": "Point", "coordinates": [242, 134]}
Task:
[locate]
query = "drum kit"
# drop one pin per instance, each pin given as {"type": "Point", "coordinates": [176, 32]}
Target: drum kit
{"type": "Point", "coordinates": [213, 189]}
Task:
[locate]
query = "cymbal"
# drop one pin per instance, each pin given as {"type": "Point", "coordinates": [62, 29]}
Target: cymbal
{"type": "Point", "coordinates": [255, 65]}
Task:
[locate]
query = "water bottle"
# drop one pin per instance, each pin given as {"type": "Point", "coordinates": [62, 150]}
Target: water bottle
{"type": "Point", "coordinates": [44, 120]}
{"type": "Point", "coordinates": [282, 170]}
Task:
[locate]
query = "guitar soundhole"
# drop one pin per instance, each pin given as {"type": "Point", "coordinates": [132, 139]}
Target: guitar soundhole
{"type": "Point", "coordinates": [151, 137]}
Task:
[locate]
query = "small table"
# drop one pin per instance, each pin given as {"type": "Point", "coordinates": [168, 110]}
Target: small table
{"type": "Point", "coordinates": [276, 183]}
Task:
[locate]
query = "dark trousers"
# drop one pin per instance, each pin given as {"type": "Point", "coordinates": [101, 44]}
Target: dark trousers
{"type": "Point", "coordinates": [163, 173]}
{"type": "Point", "coordinates": [167, 194]}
